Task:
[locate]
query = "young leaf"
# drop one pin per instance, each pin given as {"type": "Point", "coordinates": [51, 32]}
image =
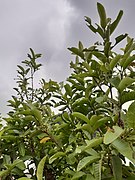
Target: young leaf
{"type": "Point", "coordinates": [86, 160]}
{"type": "Point", "coordinates": [116, 22]}
{"type": "Point", "coordinates": [77, 52]}
{"type": "Point", "coordinates": [40, 168]}
{"type": "Point", "coordinates": [102, 15]}
{"type": "Point", "coordinates": [117, 167]}
{"type": "Point", "coordinates": [131, 116]}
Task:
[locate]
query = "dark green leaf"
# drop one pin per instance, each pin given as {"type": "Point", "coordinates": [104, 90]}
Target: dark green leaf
{"type": "Point", "coordinates": [117, 167]}
{"type": "Point", "coordinates": [116, 22]}
{"type": "Point", "coordinates": [77, 52]}
{"type": "Point", "coordinates": [102, 15]}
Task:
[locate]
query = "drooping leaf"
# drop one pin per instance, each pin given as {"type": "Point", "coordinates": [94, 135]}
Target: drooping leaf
{"type": "Point", "coordinates": [55, 156]}
{"type": "Point", "coordinates": [116, 22]}
{"type": "Point", "coordinates": [93, 143]}
{"type": "Point", "coordinates": [125, 82]}
{"type": "Point", "coordinates": [117, 167]}
{"type": "Point", "coordinates": [81, 116]}
{"type": "Point", "coordinates": [102, 15]}
{"type": "Point", "coordinates": [85, 161]}
{"type": "Point", "coordinates": [40, 168]}
{"type": "Point", "coordinates": [131, 116]}
{"type": "Point", "coordinates": [124, 148]}
{"type": "Point", "coordinates": [112, 134]}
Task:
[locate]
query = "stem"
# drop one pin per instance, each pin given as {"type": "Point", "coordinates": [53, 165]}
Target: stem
{"type": "Point", "coordinates": [32, 85]}
{"type": "Point", "coordinates": [110, 87]}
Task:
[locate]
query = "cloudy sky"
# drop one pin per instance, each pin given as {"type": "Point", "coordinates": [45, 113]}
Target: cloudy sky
{"type": "Point", "coordinates": [49, 27]}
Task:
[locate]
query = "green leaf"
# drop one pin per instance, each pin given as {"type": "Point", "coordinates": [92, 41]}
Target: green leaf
{"type": "Point", "coordinates": [55, 156]}
{"type": "Point", "coordinates": [81, 116]}
{"type": "Point", "coordinates": [100, 56]}
{"type": "Point", "coordinates": [97, 170]}
{"type": "Point", "coordinates": [124, 148]}
{"type": "Point", "coordinates": [4, 173]}
{"type": "Point", "coordinates": [128, 61]}
{"type": "Point", "coordinates": [92, 28]}
{"type": "Point", "coordinates": [112, 134]}
{"type": "Point", "coordinates": [131, 116]}
{"type": "Point", "coordinates": [117, 167]}
{"type": "Point", "coordinates": [37, 114]}
{"type": "Point", "coordinates": [22, 149]}
{"type": "Point", "coordinates": [127, 96]}
{"type": "Point", "coordinates": [40, 168]}
{"type": "Point", "coordinates": [86, 161]}
{"type": "Point", "coordinates": [101, 122]}
{"type": "Point", "coordinates": [115, 81]}
{"type": "Point", "coordinates": [102, 15]}
{"type": "Point", "coordinates": [24, 178]}
{"type": "Point", "coordinates": [76, 52]}
{"type": "Point", "coordinates": [94, 119]}
{"type": "Point", "coordinates": [68, 89]}
{"type": "Point", "coordinates": [77, 175]}
{"type": "Point", "coordinates": [116, 22]}
{"type": "Point", "coordinates": [80, 45]}
{"type": "Point", "coordinates": [93, 143]}
{"type": "Point", "coordinates": [114, 61]}
{"type": "Point", "coordinates": [125, 82]}
{"type": "Point", "coordinates": [120, 38]}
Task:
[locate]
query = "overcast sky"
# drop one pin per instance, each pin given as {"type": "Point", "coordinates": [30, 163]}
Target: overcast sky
{"type": "Point", "coordinates": [49, 27]}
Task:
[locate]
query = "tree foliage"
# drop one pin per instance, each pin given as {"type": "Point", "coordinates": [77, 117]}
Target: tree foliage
{"type": "Point", "coordinates": [91, 135]}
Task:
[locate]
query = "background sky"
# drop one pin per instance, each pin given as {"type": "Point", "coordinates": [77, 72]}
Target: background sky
{"type": "Point", "coordinates": [49, 27]}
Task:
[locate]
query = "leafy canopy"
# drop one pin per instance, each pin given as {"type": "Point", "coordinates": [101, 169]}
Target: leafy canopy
{"type": "Point", "coordinates": [91, 135]}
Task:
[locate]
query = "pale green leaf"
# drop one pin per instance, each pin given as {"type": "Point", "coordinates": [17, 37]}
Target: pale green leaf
{"type": "Point", "coordinates": [40, 168]}
{"type": "Point", "coordinates": [131, 116]}
{"type": "Point", "coordinates": [124, 148]}
{"type": "Point", "coordinates": [112, 134]}
{"type": "Point", "coordinates": [86, 160]}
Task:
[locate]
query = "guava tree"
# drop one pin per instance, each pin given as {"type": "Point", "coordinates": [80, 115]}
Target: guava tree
{"type": "Point", "coordinates": [78, 129]}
